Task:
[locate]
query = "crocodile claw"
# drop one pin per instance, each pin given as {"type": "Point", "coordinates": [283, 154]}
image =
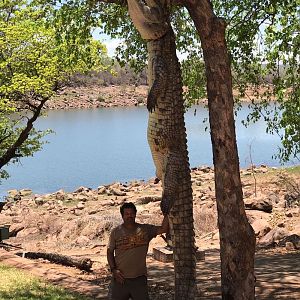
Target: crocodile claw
{"type": "Point", "coordinates": [151, 103]}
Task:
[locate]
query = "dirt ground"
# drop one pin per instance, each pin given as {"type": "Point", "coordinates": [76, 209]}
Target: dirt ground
{"type": "Point", "coordinates": [78, 224]}
{"type": "Point", "coordinates": [277, 275]}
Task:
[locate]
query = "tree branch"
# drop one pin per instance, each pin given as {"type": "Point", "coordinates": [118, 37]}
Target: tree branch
{"type": "Point", "coordinates": [12, 151]}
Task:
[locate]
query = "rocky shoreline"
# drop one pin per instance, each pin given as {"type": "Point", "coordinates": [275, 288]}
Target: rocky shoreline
{"type": "Point", "coordinates": [100, 96]}
{"type": "Point", "coordinates": [82, 219]}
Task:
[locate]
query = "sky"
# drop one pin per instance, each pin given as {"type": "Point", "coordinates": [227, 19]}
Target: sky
{"type": "Point", "coordinates": [112, 44]}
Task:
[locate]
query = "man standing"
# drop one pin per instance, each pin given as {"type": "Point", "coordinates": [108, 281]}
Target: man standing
{"type": "Point", "coordinates": [126, 255]}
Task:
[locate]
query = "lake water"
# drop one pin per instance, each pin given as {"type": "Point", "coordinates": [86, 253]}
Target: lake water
{"type": "Point", "coordinates": [99, 146]}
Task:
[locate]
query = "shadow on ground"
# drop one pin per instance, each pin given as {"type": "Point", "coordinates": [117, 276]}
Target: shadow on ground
{"type": "Point", "coordinates": [277, 277]}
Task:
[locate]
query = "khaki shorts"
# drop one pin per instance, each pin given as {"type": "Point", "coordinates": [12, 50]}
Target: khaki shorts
{"type": "Point", "coordinates": [133, 288]}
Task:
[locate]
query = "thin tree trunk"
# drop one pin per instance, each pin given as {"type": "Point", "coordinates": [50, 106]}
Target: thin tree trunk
{"type": "Point", "coordinates": [84, 264]}
{"type": "Point", "coordinates": [237, 239]}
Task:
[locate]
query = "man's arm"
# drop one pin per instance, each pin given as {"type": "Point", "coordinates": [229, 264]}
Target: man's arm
{"type": "Point", "coordinates": [164, 227]}
{"type": "Point", "coordinates": [117, 274]}
{"type": "Point", "coordinates": [111, 259]}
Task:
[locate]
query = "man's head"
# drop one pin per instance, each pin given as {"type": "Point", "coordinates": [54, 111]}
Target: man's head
{"type": "Point", "coordinates": [128, 212]}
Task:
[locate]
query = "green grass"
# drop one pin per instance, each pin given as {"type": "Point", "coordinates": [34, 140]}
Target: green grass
{"type": "Point", "coordinates": [19, 285]}
{"type": "Point", "coordinates": [293, 170]}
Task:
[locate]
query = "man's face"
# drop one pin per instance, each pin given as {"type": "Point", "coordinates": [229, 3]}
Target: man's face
{"type": "Point", "coordinates": [129, 216]}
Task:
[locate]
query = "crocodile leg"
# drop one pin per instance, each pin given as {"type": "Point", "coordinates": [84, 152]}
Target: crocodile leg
{"type": "Point", "coordinates": [158, 87]}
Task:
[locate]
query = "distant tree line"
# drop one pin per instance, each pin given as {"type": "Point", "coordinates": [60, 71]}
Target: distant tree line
{"type": "Point", "coordinates": [116, 75]}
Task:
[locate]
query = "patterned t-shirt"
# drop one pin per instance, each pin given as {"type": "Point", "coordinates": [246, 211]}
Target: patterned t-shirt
{"type": "Point", "coordinates": [131, 247]}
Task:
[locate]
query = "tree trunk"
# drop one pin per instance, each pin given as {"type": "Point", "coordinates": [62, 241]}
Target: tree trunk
{"type": "Point", "coordinates": [167, 137]}
{"type": "Point", "coordinates": [237, 239]}
{"type": "Point", "coordinates": [84, 264]}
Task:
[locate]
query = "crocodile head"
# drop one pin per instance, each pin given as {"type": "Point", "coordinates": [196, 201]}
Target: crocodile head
{"type": "Point", "coordinates": [149, 17]}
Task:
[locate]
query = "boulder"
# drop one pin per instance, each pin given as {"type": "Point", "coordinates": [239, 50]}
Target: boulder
{"type": "Point", "coordinates": [82, 189]}
{"type": "Point", "coordinates": [259, 204]}
{"type": "Point", "coordinates": [13, 193]}
{"type": "Point", "coordinates": [273, 237]}
{"type": "Point", "coordinates": [39, 201]}
{"type": "Point", "coordinates": [60, 195]}
{"type": "Point", "coordinates": [82, 240]}
{"type": "Point", "coordinates": [15, 228]}
{"type": "Point", "coordinates": [81, 197]}
{"type": "Point", "coordinates": [261, 227]}
{"type": "Point", "coordinates": [80, 205]}
{"type": "Point", "coordinates": [28, 231]}
{"type": "Point", "coordinates": [101, 190]}
{"type": "Point", "coordinates": [25, 192]}
{"type": "Point", "coordinates": [108, 202]}
{"type": "Point", "coordinates": [292, 241]}
{"type": "Point", "coordinates": [117, 192]}
{"type": "Point", "coordinates": [274, 198]}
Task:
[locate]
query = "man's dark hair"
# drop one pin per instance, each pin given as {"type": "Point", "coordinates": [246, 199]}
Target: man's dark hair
{"type": "Point", "coordinates": [127, 205]}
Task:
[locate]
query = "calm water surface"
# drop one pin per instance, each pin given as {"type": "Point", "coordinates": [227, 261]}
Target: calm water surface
{"type": "Point", "coordinates": [94, 147]}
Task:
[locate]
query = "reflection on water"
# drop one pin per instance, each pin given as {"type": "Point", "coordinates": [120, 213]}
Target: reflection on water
{"type": "Point", "coordinates": [94, 147]}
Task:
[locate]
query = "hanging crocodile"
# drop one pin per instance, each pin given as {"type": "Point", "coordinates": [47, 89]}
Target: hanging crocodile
{"type": "Point", "coordinates": [167, 136]}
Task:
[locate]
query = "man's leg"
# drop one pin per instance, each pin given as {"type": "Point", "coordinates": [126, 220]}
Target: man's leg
{"type": "Point", "coordinates": [118, 291]}
{"type": "Point", "coordinates": [138, 288]}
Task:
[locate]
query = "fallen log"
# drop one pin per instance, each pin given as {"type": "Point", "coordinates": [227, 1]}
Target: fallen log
{"type": "Point", "coordinates": [84, 264]}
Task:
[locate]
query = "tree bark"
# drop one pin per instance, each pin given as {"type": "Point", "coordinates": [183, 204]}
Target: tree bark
{"type": "Point", "coordinates": [84, 264]}
{"type": "Point", "coordinates": [237, 239]}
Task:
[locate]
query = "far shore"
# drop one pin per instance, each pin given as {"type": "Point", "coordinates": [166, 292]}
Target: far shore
{"type": "Point", "coordinates": [99, 96]}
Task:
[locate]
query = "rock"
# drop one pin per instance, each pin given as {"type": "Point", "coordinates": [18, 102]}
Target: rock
{"type": "Point", "coordinates": [292, 199]}
{"type": "Point", "coordinates": [117, 192]}
{"type": "Point", "coordinates": [247, 194]}
{"type": "Point", "coordinates": [13, 193]}
{"type": "Point", "coordinates": [80, 205]}
{"type": "Point", "coordinates": [261, 227]}
{"type": "Point", "coordinates": [101, 190]}
{"type": "Point", "coordinates": [294, 239]}
{"type": "Point", "coordinates": [296, 229]}
{"type": "Point", "coordinates": [28, 231]}
{"type": "Point", "coordinates": [108, 203]}
{"type": "Point", "coordinates": [147, 199]}
{"type": "Point", "coordinates": [77, 212]}
{"type": "Point", "coordinates": [205, 169]}
{"type": "Point", "coordinates": [17, 198]}
{"type": "Point", "coordinates": [60, 195]}
{"type": "Point", "coordinates": [82, 189]}
{"type": "Point", "coordinates": [259, 204]}
{"type": "Point", "coordinates": [289, 246]}
{"type": "Point", "coordinates": [82, 240]}
{"type": "Point", "coordinates": [274, 198]}
{"type": "Point", "coordinates": [273, 236]}
{"type": "Point", "coordinates": [39, 201]}
{"type": "Point", "coordinates": [14, 229]}
{"type": "Point", "coordinates": [25, 192]}
{"type": "Point", "coordinates": [247, 173]}
{"type": "Point", "coordinates": [81, 197]}
{"type": "Point", "coordinates": [281, 225]}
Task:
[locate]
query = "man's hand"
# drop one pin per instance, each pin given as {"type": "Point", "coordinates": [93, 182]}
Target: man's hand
{"type": "Point", "coordinates": [164, 227]}
{"type": "Point", "coordinates": [118, 275]}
